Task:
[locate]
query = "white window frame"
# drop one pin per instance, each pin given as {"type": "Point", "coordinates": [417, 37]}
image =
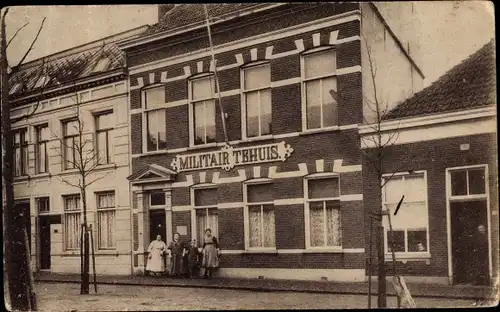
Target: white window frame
{"type": "Point", "coordinates": [244, 101]}
{"type": "Point", "coordinates": [450, 199]}
{"type": "Point", "coordinates": [108, 131]}
{"type": "Point", "coordinates": [194, 223]}
{"type": "Point", "coordinates": [23, 147]}
{"type": "Point", "coordinates": [406, 254]}
{"type": "Point", "coordinates": [145, 111]}
{"type": "Point", "coordinates": [246, 216]}
{"type": "Point", "coordinates": [74, 138]}
{"type": "Point", "coordinates": [191, 104]}
{"type": "Point", "coordinates": [304, 80]}
{"type": "Point", "coordinates": [66, 212]}
{"type": "Point", "coordinates": [100, 210]}
{"type": "Point", "coordinates": [156, 207]}
{"type": "Point", "coordinates": [37, 205]}
{"type": "Point", "coordinates": [307, 217]}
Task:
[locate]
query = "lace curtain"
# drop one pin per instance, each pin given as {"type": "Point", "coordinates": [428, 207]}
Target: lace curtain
{"type": "Point", "coordinates": [262, 226]}
{"type": "Point", "coordinates": [319, 213]}
{"type": "Point", "coordinates": [106, 230]}
{"type": "Point", "coordinates": [72, 230]}
{"type": "Point", "coordinates": [207, 220]}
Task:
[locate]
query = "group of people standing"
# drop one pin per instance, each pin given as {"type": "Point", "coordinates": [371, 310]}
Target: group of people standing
{"type": "Point", "coordinates": [180, 259]}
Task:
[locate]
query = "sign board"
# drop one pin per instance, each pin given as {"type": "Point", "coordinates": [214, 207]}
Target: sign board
{"type": "Point", "coordinates": [229, 157]}
{"type": "Point", "coordinates": [182, 230]}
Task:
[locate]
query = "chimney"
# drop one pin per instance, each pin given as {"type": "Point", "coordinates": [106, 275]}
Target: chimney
{"type": "Point", "coordinates": [163, 9]}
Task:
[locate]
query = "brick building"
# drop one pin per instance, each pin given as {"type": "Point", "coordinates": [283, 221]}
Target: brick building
{"type": "Point", "coordinates": [281, 184]}
{"type": "Point", "coordinates": [444, 157]}
{"type": "Point", "coordinates": [88, 82]}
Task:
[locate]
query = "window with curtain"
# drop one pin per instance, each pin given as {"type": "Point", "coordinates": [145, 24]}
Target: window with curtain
{"type": "Point", "coordinates": [72, 222]}
{"type": "Point", "coordinates": [20, 152]}
{"type": "Point", "coordinates": [257, 97]}
{"type": "Point", "coordinates": [261, 218]}
{"type": "Point", "coordinates": [106, 216]}
{"type": "Point", "coordinates": [205, 204]}
{"type": "Point", "coordinates": [156, 125]}
{"type": "Point", "coordinates": [319, 80]}
{"type": "Point", "coordinates": [71, 135]}
{"type": "Point", "coordinates": [411, 223]}
{"type": "Point", "coordinates": [104, 129]}
{"type": "Point", "coordinates": [203, 101]}
{"type": "Point", "coordinates": [323, 202]}
{"type": "Point", "coordinates": [41, 155]}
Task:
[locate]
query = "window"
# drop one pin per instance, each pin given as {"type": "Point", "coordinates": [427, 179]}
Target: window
{"type": "Point", "coordinates": [106, 215]}
{"type": "Point", "coordinates": [104, 127]}
{"type": "Point", "coordinates": [72, 222]}
{"type": "Point", "coordinates": [468, 182]}
{"type": "Point", "coordinates": [155, 119]}
{"type": "Point", "coordinates": [323, 204]}
{"type": "Point", "coordinates": [71, 134]}
{"type": "Point", "coordinates": [102, 65]}
{"type": "Point", "coordinates": [318, 81]}
{"type": "Point", "coordinates": [42, 82]}
{"type": "Point", "coordinates": [20, 153]}
{"type": "Point", "coordinates": [261, 222]}
{"type": "Point", "coordinates": [205, 205]}
{"type": "Point", "coordinates": [157, 198]}
{"type": "Point", "coordinates": [257, 99]}
{"type": "Point", "coordinates": [42, 205]}
{"type": "Point", "coordinates": [203, 103]}
{"type": "Point", "coordinates": [410, 224]}
{"type": "Point", "coordinates": [41, 155]}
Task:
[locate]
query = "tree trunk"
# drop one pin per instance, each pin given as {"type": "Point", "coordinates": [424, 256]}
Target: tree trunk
{"type": "Point", "coordinates": [16, 257]}
{"type": "Point", "coordinates": [85, 277]}
{"type": "Point", "coordinates": [382, 289]}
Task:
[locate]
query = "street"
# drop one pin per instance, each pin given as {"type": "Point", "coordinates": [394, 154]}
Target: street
{"type": "Point", "coordinates": [66, 297]}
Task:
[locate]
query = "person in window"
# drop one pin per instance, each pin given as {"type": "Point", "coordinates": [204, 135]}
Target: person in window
{"type": "Point", "coordinates": [178, 251]}
{"type": "Point", "coordinates": [156, 250]}
{"type": "Point", "coordinates": [193, 259]}
{"type": "Point", "coordinates": [210, 253]}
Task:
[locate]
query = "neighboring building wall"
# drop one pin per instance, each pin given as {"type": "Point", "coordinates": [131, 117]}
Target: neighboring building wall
{"type": "Point", "coordinates": [396, 79]}
{"type": "Point", "coordinates": [434, 149]}
{"type": "Point", "coordinates": [52, 112]}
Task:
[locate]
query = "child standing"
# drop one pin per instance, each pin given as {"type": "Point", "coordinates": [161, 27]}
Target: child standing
{"type": "Point", "coordinates": [193, 259]}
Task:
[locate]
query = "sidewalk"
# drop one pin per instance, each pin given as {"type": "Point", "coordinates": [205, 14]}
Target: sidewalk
{"type": "Point", "coordinates": [359, 288]}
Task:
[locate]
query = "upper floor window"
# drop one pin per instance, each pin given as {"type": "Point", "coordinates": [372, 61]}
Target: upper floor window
{"type": "Point", "coordinates": [257, 100]}
{"type": "Point", "coordinates": [41, 155]}
{"type": "Point", "coordinates": [71, 133]}
{"type": "Point", "coordinates": [104, 129]}
{"type": "Point", "coordinates": [155, 119]}
{"type": "Point", "coordinates": [410, 225]}
{"type": "Point", "coordinates": [260, 218]}
{"type": "Point", "coordinates": [323, 209]}
{"type": "Point", "coordinates": [202, 92]}
{"type": "Point", "coordinates": [20, 152]}
{"type": "Point", "coordinates": [319, 80]}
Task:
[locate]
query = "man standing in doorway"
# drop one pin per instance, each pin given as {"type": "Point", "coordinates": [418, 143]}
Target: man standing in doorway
{"type": "Point", "coordinates": [480, 253]}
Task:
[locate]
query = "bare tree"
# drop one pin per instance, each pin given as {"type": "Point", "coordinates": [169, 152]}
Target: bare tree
{"type": "Point", "coordinates": [19, 275]}
{"type": "Point", "coordinates": [83, 156]}
{"type": "Point", "coordinates": [375, 152]}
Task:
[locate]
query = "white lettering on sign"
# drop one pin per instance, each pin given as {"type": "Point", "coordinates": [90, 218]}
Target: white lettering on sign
{"type": "Point", "coordinates": [228, 157]}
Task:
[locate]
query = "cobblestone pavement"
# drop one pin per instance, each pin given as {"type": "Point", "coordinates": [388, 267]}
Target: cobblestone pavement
{"type": "Point", "coordinates": [66, 297]}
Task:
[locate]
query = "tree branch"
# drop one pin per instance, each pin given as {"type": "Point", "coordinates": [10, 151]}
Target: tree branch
{"type": "Point", "coordinates": [15, 34]}
{"type": "Point", "coordinates": [69, 183]}
{"type": "Point", "coordinates": [99, 178]}
{"type": "Point", "coordinates": [30, 48]}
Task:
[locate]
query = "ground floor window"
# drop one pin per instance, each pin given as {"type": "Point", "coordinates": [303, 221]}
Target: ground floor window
{"type": "Point", "coordinates": [106, 216]}
{"type": "Point", "coordinates": [72, 222]}
{"type": "Point", "coordinates": [205, 204]}
{"type": "Point", "coordinates": [410, 224]}
{"type": "Point", "coordinates": [261, 217]}
{"type": "Point", "coordinates": [323, 205]}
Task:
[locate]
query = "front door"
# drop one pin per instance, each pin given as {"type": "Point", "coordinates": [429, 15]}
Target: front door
{"type": "Point", "coordinates": [44, 227]}
{"type": "Point", "coordinates": [469, 244]}
{"type": "Point", "coordinates": [157, 224]}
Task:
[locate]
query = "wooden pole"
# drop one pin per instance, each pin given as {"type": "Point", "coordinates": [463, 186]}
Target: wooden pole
{"type": "Point", "coordinates": [81, 257]}
{"type": "Point", "coordinates": [370, 265]}
{"type": "Point", "coordinates": [93, 257]}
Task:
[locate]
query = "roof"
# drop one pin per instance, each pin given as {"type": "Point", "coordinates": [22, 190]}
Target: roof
{"type": "Point", "coordinates": [187, 14]}
{"type": "Point", "coordinates": [470, 84]}
{"type": "Point", "coordinates": [84, 61]}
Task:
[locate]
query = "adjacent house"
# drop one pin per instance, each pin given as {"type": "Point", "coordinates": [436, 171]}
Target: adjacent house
{"type": "Point", "coordinates": [259, 143]}
{"type": "Point", "coordinates": [88, 83]}
{"type": "Point", "coordinates": [443, 159]}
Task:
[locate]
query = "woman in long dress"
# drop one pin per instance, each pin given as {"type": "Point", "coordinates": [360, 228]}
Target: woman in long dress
{"type": "Point", "coordinates": [210, 253]}
{"type": "Point", "coordinates": [156, 250]}
{"type": "Point", "coordinates": [177, 249]}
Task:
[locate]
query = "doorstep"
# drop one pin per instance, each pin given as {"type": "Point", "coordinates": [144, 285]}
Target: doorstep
{"type": "Point", "coordinates": [358, 288]}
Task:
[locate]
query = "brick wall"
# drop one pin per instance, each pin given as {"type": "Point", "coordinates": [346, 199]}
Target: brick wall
{"type": "Point", "coordinates": [434, 157]}
{"type": "Point", "coordinates": [231, 227]}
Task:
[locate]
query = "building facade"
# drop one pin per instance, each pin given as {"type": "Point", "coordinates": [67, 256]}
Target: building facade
{"type": "Point", "coordinates": [443, 159]}
{"type": "Point", "coordinates": [267, 153]}
{"type": "Point", "coordinates": [86, 83]}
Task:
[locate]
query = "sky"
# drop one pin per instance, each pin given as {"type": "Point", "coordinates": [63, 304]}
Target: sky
{"type": "Point", "coordinates": [444, 32]}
